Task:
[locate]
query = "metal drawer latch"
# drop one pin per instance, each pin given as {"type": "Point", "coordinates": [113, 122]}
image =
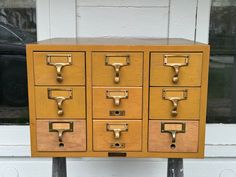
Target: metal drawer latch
{"type": "Point", "coordinates": [176, 66]}
{"type": "Point", "coordinates": [117, 62]}
{"type": "Point", "coordinates": [174, 96]}
{"type": "Point", "coordinates": [59, 66]}
{"type": "Point", "coordinates": [60, 128]}
{"type": "Point", "coordinates": [64, 94]}
{"type": "Point", "coordinates": [173, 128]}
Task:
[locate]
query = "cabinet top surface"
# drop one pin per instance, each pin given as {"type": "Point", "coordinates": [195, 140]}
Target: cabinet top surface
{"type": "Point", "coordinates": [119, 41]}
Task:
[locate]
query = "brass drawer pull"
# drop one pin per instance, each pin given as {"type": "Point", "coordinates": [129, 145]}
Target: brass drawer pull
{"type": "Point", "coordinates": [59, 99]}
{"type": "Point", "coordinates": [60, 128]}
{"type": "Point", "coordinates": [59, 66]}
{"type": "Point", "coordinates": [173, 128]}
{"type": "Point", "coordinates": [176, 66]}
{"type": "Point", "coordinates": [117, 62]}
{"type": "Point", "coordinates": [174, 99]}
{"type": "Point", "coordinates": [117, 129]}
{"type": "Point", "coordinates": [117, 95]}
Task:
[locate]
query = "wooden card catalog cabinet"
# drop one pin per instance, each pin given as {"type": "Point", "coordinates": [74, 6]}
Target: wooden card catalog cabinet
{"type": "Point", "coordinates": [117, 97]}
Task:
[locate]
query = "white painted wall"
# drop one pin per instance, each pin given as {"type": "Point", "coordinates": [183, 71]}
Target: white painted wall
{"type": "Point", "coordinates": [121, 18]}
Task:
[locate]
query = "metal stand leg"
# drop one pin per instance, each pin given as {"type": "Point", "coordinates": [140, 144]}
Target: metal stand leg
{"type": "Point", "coordinates": [175, 168]}
{"type": "Point", "coordinates": [59, 167]}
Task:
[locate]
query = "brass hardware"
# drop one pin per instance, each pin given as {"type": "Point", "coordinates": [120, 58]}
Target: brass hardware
{"type": "Point", "coordinates": [174, 99]}
{"type": "Point", "coordinates": [118, 145]}
{"type": "Point", "coordinates": [117, 154]}
{"type": "Point", "coordinates": [117, 62]}
{"type": "Point", "coordinates": [117, 113]}
{"type": "Point", "coordinates": [176, 66]}
{"type": "Point", "coordinates": [173, 128]}
{"type": "Point", "coordinates": [117, 129]}
{"type": "Point", "coordinates": [60, 128]}
{"type": "Point", "coordinates": [59, 99]}
{"type": "Point", "coordinates": [117, 95]}
{"type": "Point", "coordinates": [59, 66]}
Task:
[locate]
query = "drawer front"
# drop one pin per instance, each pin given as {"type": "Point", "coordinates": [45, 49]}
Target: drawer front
{"type": "Point", "coordinates": [173, 136]}
{"type": "Point", "coordinates": [117, 135]}
{"type": "Point", "coordinates": [118, 103]}
{"type": "Point", "coordinates": [178, 69]}
{"type": "Point", "coordinates": [59, 68]}
{"type": "Point", "coordinates": [178, 102]}
{"type": "Point", "coordinates": [60, 102]}
{"type": "Point", "coordinates": [61, 135]}
{"type": "Point", "coordinates": [117, 68]}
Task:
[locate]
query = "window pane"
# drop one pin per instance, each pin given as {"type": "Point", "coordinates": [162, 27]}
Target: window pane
{"type": "Point", "coordinates": [17, 28]}
{"type": "Point", "coordinates": [222, 76]}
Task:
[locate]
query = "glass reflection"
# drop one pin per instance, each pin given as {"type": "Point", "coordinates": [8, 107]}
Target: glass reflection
{"type": "Point", "coordinates": [222, 76]}
{"type": "Point", "coordinates": [17, 28]}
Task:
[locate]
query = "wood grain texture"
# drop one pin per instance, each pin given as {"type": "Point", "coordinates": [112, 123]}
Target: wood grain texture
{"type": "Point", "coordinates": [131, 105]}
{"type": "Point", "coordinates": [47, 108]}
{"type": "Point", "coordinates": [102, 139]}
{"type": "Point", "coordinates": [185, 142]}
{"type": "Point", "coordinates": [141, 49]}
{"type": "Point", "coordinates": [113, 41]}
{"type": "Point", "coordinates": [73, 141]}
{"type": "Point", "coordinates": [73, 74]}
{"type": "Point", "coordinates": [130, 75]}
{"type": "Point", "coordinates": [187, 109]}
{"type": "Point", "coordinates": [188, 75]}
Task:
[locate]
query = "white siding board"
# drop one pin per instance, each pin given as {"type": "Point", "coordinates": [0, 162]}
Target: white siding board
{"type": "Point", "coordinates": [56, 18]}
{"type": "Point", "coordinates": [182, 19]}
{"type": "Point", "coordinates": [212, 167]}
{"type": "Point", "coordinates": [14, 135]}
{"type": "Point", "coordinates": [221, 134]}
{"type": "Point", "coordinates": [63, 18]}
{"type": "Point", "coordinates": [203, 20]}
{"type": "Point", "coordinates": [135, 3]}
{"type": "Point", "coordinates": [222, 150]}
{"type": "Point", "coordinates": [122, 22]}
{"type": "Point", "coordinates": [43, 20]}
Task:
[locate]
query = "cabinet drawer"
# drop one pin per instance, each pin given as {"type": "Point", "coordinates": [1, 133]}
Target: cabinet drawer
{"type": "Point", "coordinates": [118, 103]}
{"type": "Point", "coordinates": [178, 102]}
{"type": "Point", "coordinates": [59, 68]}
{"type": "Point", "coordinates": [117, 135]}
{"type": "Point", "coordinates": [61, 135]}
{"type": "Point", "coordinates": [162, 133]}
{"type": "Point", "coordinates": [178, 69]}
{"type": "Point", "coordinates": [60, 102]}
{"type": "Point", "coordinates": [117, 68]}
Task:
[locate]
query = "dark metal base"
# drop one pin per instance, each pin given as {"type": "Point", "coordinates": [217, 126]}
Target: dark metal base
{"type": "Point", "coordinates": [175, 168]}
{"type": "Point", "coordinates": [59, 167]}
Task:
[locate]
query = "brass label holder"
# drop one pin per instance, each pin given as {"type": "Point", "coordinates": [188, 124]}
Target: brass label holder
{"type": "Point", "coordinates": [173, 128]}
{"type": "Point", "coordinates": [174, 99]}
{"type": "Point", "coordinates": [59, 99]}
{"type": "Point", "coordinates": [117, 62]}
{"type": "Point", "coordinates": [176, 66]}
{"type": "Point", "coordinates": [117, 96]}
{"type": "Point", "coordinates": [59, 66]}
{"type": "Point", "coordinates": [60, 128]}
{"type": "Point", "coordinates": [117, 129]}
